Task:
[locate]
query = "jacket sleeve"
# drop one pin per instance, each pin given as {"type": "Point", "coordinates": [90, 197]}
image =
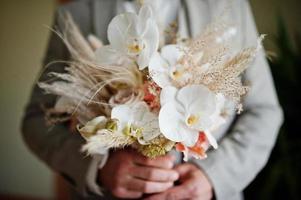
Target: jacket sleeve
{"type": "Point", "coordinates": [244, 151]}
{"type": "Point", "coordinates": [56, 145]}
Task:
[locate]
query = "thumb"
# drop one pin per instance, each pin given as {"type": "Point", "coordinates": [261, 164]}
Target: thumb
{"type": "Point", "coordinates": [184, 169]}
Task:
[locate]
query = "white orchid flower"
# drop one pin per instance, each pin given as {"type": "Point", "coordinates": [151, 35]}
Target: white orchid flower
{"type": "Point", "coordinates": [91, 133]}
{"type": "Point", "coordinates": [136, 120]}
{"type": "Point", "coordinates": [187, 112]}
{"type": "Point", "coordinates": [132, 36]}
{"type": "Point", "coordinates": [163, 12]}
{"type": "Point", "coordinates": [91, 127]}
{"type": "Point", "coordinates": [165, 68]}
{"type": "Point", "coordinates": [133, 120]}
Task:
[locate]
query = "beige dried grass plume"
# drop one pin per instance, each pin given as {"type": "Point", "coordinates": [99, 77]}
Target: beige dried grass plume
{"type": "Point", "coordinates": [86, 85]}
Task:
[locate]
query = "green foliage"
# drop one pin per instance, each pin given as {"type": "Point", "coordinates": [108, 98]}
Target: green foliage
{"type": "Point", "coordinates": [281, 178]}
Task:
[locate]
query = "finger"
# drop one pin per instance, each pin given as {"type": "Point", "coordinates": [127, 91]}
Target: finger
{"type": "Point", "coordinates": [124, 193]}
{"type": "Point", "coordinates": [179, 192]}
{"type": "Point", "coordinates": [154, 174]}
{"type": "Point", "coordinates": [183, 169]}
{"type": "Point", "coordinates": [157, 196]}
{"type": "Point", "coordinates": [169, 195]}
{"type": "Point", "coordinates": [176, 193]}
{"type": "Point", "coordinates": [165, 162]}
{"type": "Point", "coordinates": [202, 197]}
{"type": "Point", "coordinates": [148, 187]}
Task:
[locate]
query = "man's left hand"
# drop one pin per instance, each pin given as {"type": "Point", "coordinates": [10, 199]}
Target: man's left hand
{"type": "Point", "coordinates": [193, 185]}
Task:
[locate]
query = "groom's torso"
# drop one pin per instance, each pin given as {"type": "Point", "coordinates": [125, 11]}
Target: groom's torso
{"type": "Point", "coordinates": [93, 16]}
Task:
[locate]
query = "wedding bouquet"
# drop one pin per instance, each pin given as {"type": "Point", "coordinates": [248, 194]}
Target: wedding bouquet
{"type": "Point", "coordinates": [150, 95]}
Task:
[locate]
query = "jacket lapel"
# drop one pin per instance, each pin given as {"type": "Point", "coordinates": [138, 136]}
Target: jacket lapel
{"type": "Point", "coordinates": [197, 15]}
{"type": "Point", "coordinates": [102, 13]}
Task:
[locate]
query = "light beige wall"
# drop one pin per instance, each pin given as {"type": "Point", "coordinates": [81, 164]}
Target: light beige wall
{"type": "Point", "coordinates": [22, 43]}
{"type": "Point", "coordinates": [266, 13]}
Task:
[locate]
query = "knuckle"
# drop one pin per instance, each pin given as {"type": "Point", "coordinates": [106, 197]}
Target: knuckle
{"type": "Point", "coordinates": [130, 170]}
{"type": "Point", "coordinates": [147, 161]}
{"type": "Point", "coordinates": [121, 170]}
{"type": "Point", "coordinates": [119, 167]}
{"type": "Point", "coordinates": [171, 196]}
{"type": "Point", "coordinates": [117, 182]}
{"type": "Point", "coordinates": [168, 164]}
{"type": "Point", "coordinates": [191, 190]}
{"type": "Point", "coordinates": [151, 174]}
{"type": "Point", "coordinates": [146, 187]}
{"type": "Point", "coordinates": [168, 185]}
{"type": "Point", "coordinates": [138, 195]}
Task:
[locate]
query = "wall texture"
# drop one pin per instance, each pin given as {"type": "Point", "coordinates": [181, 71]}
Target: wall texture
{"type": "Point", "coordinates": [267, 13]}
{"type": "Point", "coordinates": [23, 38]}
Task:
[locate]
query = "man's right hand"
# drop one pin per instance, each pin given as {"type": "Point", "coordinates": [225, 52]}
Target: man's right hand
{"type": "Point", "coordinates": [128, 174]}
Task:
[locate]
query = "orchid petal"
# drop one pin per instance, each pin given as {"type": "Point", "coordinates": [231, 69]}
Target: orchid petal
{"type": "Point", "coordinates": [137, 112]}
{"type": "Point", "coordinates": [138, 116]}
{"type": "Point", "coordinates": [121, 113]}
{"type": "Point", "coordinates": [134, 36]}
{"type": "Point", "coordinates": [191, 137]}
{"type": "Point", "coordinates": [171, 123]}
{"type": "Point", "coordinates": [198, 101]}
{"type": "Point", "coordinates": [158, 71]}
{"type": "Point", "coordinates": [144, 14]}
{"type": "Point", "coordinates": [120, 28]}
{"type": "Point", "coordinates": [146, 120]}
{"type": "Point", "coordinates": [172, 53]}
{"type": "Point", "coordinates": [151, 40]}
{"type": "Point", "coordinates": [173, 127]}
{"type": "Point", "coordinates": [167, 95]}
{"type": "Point", "coordinates": [150, 125]}
{"type": "Point", "coordinates": [217, 122]}
{"type": "Point", "coordinates": [196, 97]}
{"type": "Point", "coordinates": [98, 122]}
{"type": "Point", "coordinates": [92, 126]}
{"type": "Point", "coordinates": [143, 59]}
{"type": "Point", "coordinates": [211, 139]}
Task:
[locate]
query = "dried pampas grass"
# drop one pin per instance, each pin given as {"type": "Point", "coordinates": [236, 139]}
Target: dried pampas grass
{"type": "Point", "coordinates": [87, 86]}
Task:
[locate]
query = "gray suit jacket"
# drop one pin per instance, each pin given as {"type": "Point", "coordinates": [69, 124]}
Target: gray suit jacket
{"type": "Point", "coordinates": [245, 142]}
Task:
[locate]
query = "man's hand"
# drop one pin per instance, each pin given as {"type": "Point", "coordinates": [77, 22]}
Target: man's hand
{"type": "Point", "coordinates": [193, 185]}
{"type": "Point", "coordinates": [127, 174]}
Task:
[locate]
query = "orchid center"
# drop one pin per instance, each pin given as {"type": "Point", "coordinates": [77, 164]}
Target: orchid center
{"type": "Point", "coordinates": [131, 130]}
{"type": "Point", "coordinates": [135, 46]}
{"type": "Point", "coordinates": [192, 120]}
{"type": "Point", "coordinates": [112, 125]}
{"type": "Point", "coordinates": [177, 74]}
